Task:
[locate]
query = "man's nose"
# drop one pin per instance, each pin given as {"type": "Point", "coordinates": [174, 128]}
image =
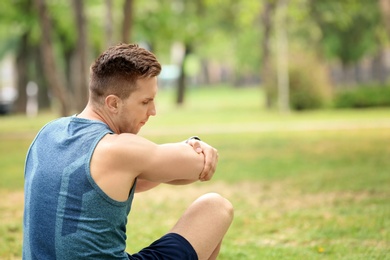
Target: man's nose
{"type": "Point", "coordinates": [152, 110]}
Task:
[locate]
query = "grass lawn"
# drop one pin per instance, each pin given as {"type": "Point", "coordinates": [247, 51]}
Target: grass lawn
{"type": "Point", "coordinates": [312, 185]}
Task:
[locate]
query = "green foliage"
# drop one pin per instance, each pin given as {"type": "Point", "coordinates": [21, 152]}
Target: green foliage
{"type": "Point", "coordinates": [224, 32]}
{"type": "Point", "coordinates": [309, 83]}
{"type": "Point", "coordinates": [17, 20]}
{"type": "Point", "coordinates": [63, 21]}
{"type": "Point", "coordinates": [349, 28]}
{"type": "Point", "coordinates": [363, 97]}
{"type": "Point", "coordinates": [173, 21]}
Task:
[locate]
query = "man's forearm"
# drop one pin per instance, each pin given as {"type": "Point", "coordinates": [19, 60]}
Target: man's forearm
{"type": "Point", "coordinates": [181, 182]}
{"type": "Point", "coordinates": [144, 185]}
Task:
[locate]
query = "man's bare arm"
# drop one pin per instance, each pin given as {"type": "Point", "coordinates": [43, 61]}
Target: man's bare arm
{"type": "Point", "coordinates": [119, 159]}
{"type": "Point", "coordinates": [158, 163]}
{"type": "Point", "coordinates": [144, 185]}
{"type": "Point", "coordinates": [211, 159]}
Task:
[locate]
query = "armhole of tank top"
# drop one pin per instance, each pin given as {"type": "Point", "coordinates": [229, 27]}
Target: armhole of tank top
{"type": "Point", "coordinates": [92, 181]}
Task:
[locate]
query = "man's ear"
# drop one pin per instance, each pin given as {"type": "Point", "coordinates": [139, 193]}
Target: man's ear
{"type": "Point", "coordinates": [112, 102]}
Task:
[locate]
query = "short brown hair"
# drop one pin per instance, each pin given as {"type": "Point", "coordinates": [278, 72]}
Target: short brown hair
{"type": "Point", "coordinates": [117, 70]}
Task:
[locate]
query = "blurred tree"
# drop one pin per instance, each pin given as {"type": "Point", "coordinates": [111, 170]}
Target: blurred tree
{"type": "Point", "coordinates": [282, 56]}
{"type": "Point", "coordinates": [109, 24]}
{"type": "Point", "coordinates": [191, 13]}
{"type": "Point", "coordinates": [64, 40]}
{"type": "Point", "coordinates": [233, 39]}
{"type": "Point", "coordinates": [246, 32]}
{"type": "Point", "coordinates": [167, 22]}
{"type": "Point", "coordinates": [349, 28]}
{"type": "Point", "coordinates": [22, 62]}
{"type": "Point", "coordinates": [48, 58]}
{"type": "Point", "coordinates": [23, 59]}
{"type": "Point", "coordinates": [217, 45]}
{"type": "Point", "coordinates": [127, 21]}
{"type": "Point", "coordinates": [266, 24]}
{"type": "Point", "coordinates": [384, 7]}
{"type": "Point", "coordinates": [16, 34]}
{"type": "Point", "coordinates": [81, 72]}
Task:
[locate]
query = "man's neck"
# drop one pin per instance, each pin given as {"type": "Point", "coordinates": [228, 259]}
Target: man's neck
{"type": "Point", "coordinates": [93, 113]}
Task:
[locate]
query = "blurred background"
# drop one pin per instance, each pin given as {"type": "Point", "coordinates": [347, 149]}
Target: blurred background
{"type": "Point", "coordinates": [295, 95]}
{"type": "Point", "coordinates": [301, 54]}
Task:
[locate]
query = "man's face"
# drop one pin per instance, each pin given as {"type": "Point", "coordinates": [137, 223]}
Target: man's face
{"type": "Point", "coordinates": [138, 107]}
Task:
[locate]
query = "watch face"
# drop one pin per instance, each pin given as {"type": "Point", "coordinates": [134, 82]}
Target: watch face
{"type": "Point", "coordinates": [193, 137]}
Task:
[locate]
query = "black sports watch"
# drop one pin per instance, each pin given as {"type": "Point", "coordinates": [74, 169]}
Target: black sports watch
{"type": "Point", "coordinates": [193, 137]}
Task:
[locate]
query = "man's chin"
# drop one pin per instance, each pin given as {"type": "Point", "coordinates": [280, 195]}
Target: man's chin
{"type": "Point", "coordinates": [136, 131]}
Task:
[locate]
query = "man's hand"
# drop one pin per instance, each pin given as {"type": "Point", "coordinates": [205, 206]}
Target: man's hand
{"type": "Point", "coordinates": [211, 158]}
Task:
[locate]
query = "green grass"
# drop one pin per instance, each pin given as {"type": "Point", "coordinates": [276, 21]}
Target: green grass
{"type": "Point", "coordinates": [312, 185]}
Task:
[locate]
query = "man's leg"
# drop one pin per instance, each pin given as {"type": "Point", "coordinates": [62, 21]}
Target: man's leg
{"type": "Point", "coordinates": [216, 251]}
{"type": "Point", "coordinates": [205, 223]}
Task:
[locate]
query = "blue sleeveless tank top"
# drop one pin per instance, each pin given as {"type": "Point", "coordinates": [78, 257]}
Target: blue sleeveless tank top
{"type": "Point", "coordinates": [66, 215]}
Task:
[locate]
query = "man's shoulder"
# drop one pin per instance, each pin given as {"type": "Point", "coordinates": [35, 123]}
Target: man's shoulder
{"type": "Point", "coordinates": [125, 149]}
{"type": "Point", "coordinates": [119, 154]}
{"type": "Point", "coordinates": [55, 122]}
{"type": "Point", "coordinates": [123, 142]}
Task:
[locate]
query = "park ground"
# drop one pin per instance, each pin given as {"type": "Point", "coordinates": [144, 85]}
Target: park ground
{"type": "Point", "coordinates": [311, 185]}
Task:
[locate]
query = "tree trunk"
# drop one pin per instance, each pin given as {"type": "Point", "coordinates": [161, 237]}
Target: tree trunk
{"type": "Point", "coordinates": [49, 64]}
{"type": "Point", "coordinates": [378, 68]}
{"type": "Point", "coordinates": [282, 57]}
{"type": "Point", "coordinates": [81, 75]}
{"type": "Point", "coordinates": [127, 21]}
{"type": "Point", "coordinates": [384, 7]}
{"type": "Point", "coordinates": [205, 77]}
{"type": "Point", "coordinates": [22, 61]}
{"type": "Point", "coordinates": [40, 79]}
{"type": "Point", "coordinates": [181, 83]}
{"type": "Point", "coordinates": [266, 21]}
{"type": "Point", "coordinates": [108, 24]}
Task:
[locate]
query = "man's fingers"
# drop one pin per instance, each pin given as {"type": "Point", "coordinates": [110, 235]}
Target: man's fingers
{"type": "Point", "coordinates": [209, 168]}
{"type": "Point", "coordinates": [210, 155]}
{"type": "Point", "coordinates": [205, 173]}
{"type": "Point", "coordinates": [211, 161]}
{"type": "Point", "coordinates": [196, 145]}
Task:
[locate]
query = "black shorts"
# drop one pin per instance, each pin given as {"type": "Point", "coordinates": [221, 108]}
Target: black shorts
{"type": "Point", "coordinates": [171, 246]}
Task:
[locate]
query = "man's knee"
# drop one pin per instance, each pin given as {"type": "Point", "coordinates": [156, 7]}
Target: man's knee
{"type": "Point", "coordinates": [215, 201]}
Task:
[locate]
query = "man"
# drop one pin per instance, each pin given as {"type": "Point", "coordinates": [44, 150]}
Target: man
{"type": "Point", "coordinates": [82, 172]}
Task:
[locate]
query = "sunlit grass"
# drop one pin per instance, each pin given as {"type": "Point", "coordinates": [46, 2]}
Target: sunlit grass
{"type": "Point", "coordinates": [226, 105]}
